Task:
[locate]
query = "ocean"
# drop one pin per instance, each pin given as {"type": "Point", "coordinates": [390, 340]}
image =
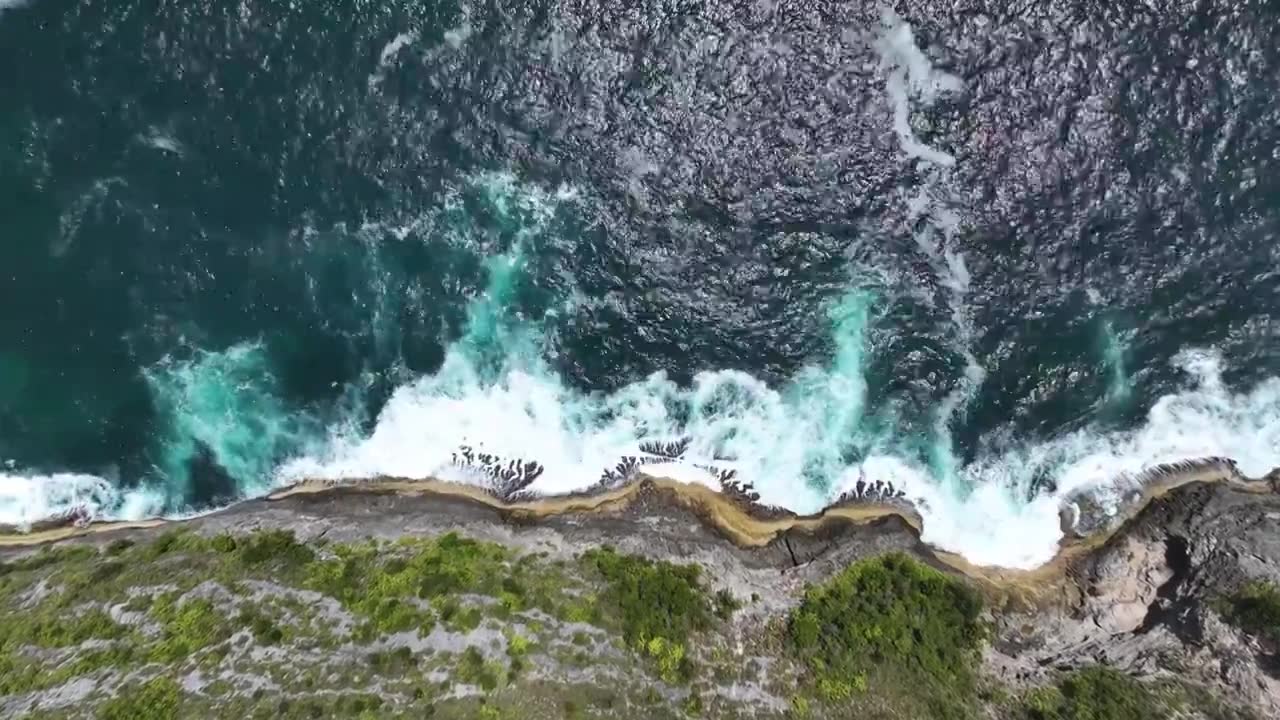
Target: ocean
{"type": "Point", "coordinates": [992, 254]}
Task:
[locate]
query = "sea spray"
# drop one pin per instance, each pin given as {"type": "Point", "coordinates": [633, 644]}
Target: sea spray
{"type": "Point", "coordinates": [345, 234]}
{"type": "Point", "coordinates": [911, 81]}
{"type": "Point", "coordinates": [1114, 357]}
{"type": "Point", "coordinates": [223, 409]}
{"type": "Point", "coordinates": [28, 498]}
{"type": "Point", "coordinates": [800, 444]}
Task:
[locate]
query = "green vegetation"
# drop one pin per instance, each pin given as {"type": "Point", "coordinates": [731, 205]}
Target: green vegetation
{"type": "Point", "coordinates": [474, 670]}
{"type": "Point", "coordinates": [157, 699]}
{"type": "Point", "coordinates": [657, 606]}
{"type": "Point", "coordinates": [395, 587]}
{"type": "Point", "coordinates": [1094, 693]}
{"type": "Point", "coordinates": [53, 627]}
{"type": "Point", "coordinates": [894, 626]}
{"type": "Point", "coordinates": [194, 594]}
{"type": "Point", "coordinates": [726, 604]}
{"type": "Point", "coordinates": [187, 627]}
{"type": "Point", "coordinates": [652, 599]}
{"type": "Point", "coordinates": [1254, 608]}
{"type": "Point", "coordinates": [400, 661]}
{"type": "Point", "coordinates": [264, 629]}
{"type": "Point", "coordinates": [452, 628]}
{"type": "Point", "coordinates": [186, 601]}
{"type": "Point", "coordinates": [279, 547]}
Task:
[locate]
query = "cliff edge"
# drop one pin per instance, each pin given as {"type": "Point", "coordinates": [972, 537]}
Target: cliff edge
{"type": "Point", "coordinates": [649, 601]}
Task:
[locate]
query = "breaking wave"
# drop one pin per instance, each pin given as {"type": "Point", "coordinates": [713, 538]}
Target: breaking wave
{"type": "Point", "coordinates": [504, 407]}
{"type": "Point", "coordinates": [800, 446]}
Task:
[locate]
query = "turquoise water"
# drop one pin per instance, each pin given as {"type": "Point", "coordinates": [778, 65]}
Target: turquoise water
{"type": "Point", "coordinates": [989, 259]}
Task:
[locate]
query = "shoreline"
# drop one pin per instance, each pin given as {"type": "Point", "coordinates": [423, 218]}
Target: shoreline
{"type": "Point", "coordinates": [745, 524]}
{"type": "Point", "coordinates": [1106, 601]}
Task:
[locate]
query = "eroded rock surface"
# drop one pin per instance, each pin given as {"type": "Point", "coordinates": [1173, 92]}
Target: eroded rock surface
{"type": "Point", "coordinates": [1147, 600]}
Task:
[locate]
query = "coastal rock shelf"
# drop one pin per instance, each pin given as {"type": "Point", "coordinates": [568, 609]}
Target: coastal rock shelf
{"type": "Point", "coordinates": [503, 483]}
{"type": "Point", "coordinates": [1160, 609]}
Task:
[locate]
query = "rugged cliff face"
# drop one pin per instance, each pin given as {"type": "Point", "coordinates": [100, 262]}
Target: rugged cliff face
{"type": "Point", "coordinates": [399, 600]}
{"type": "Point", "coordinates": [1159, 598]}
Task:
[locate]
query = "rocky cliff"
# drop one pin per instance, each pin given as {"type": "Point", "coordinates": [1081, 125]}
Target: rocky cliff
{"type": "Point", "coordinates": [653, 600]}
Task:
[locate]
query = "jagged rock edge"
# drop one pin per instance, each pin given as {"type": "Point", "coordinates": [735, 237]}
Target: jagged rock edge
{"type": "Point", "coordinates": [756, 524]}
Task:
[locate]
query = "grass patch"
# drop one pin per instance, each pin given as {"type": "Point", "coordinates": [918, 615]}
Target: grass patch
{"type": "Point", "coordinates": [1254, 608]}
{"type": "Point", "coordinates": [896, 627]}
{"type": "Point", "coordinates": [384, 584]}
{"type": "Point", "coordinates": [187, 627]}
{"type": "Point", "coordinates": [156, 699]}
{"type": "Point", "coordinates": [1094, 693]}
{"type": "Point", "coordinates": [53, 627]}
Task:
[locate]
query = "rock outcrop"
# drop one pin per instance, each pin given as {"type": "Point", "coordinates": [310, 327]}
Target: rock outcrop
{"type": "Point", "coordinates": [1147, 599]}
{"type": "Point", "coordinates": [1143, 594]}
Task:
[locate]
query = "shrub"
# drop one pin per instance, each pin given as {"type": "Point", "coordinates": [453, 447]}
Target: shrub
{"type": "Point", "coordinates": [657, 604]}
{"type": "Point", "coordinates": [173, 541]}
{"type": "Point", "coordinates": [1093, 693]}
{"type": "Point", "coordinates": [517, 645]}
{"type": "Point", "coordinates": [223, 543]}
{"type": "Point", "coordinates": [669, 656]}
{"type": "Point", "coordinates": [187, 628]}
{"type": "Point", "coordinates": [354, 704]}
{"type": "Point", "coordinates": [392, 662]}
{"type": "Point", "coordinates": [264, 546]}
{"type": "Point", "coordinates": [833, 690]}
{"type": "Point", "coordinates": [385, 584]}
{"type": "Point", "coordinates": [157, 699]}
{"type": "Point", "coordinates": [726, 604]}
{"type": "Point", "coordinates": [118, 546]}
{"type": "Point", "coordinates": [1254, 608]}
{"type": "Point", "coordinates": [651, 599]}
{"type": "Point", "coordinates": [264, 629]}
{"type": "Point", "coordinates": [473, 670]}
{"type": "Point", "coordinates": [895, 619]}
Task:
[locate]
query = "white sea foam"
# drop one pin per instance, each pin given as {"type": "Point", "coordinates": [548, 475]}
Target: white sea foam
{"type": "Point", "coordinates": [160, 140]}
{"type": "Point", "coordinates": [799, 444]}
{"type": "Point", "coordinates": [26, 499]}
{"type": "Point", "coordinates": [912, 80]}
{"type": "Point", "coordinates": [222, 404]}
{"type": "Point", "coordinates": [774, 437]}
{"type": "Point", "coordinates": [911, 77]}
{"type": "Point", "coordinates": [388, 56]}
{"type": "Point", "coordinates": [792, 443]}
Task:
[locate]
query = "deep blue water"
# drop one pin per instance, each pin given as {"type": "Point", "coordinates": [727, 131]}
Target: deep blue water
{"type": "Point", "coordinates": [990, 255]}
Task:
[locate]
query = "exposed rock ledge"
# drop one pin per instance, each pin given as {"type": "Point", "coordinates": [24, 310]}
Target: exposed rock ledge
{"type": "Point", "coordinates": [1137, 595]}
